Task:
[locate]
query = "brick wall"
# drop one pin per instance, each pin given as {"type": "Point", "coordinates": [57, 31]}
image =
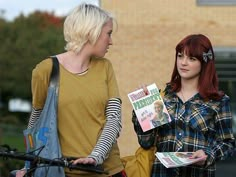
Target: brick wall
{"type": "Point", "coordinates": [144, 44]}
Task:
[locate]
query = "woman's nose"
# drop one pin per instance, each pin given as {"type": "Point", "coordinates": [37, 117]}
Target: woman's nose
{"type": "Point", "coordinates": [110, 41]}
{"type": "Point", "coordinates": [184, 60]}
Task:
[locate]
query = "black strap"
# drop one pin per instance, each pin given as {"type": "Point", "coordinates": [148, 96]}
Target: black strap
{"type": "Point", "coordinates": [54, 78]}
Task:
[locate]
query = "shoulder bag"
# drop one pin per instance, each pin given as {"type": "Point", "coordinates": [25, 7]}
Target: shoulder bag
{"type": "Point", "coordinates": [42, 139]}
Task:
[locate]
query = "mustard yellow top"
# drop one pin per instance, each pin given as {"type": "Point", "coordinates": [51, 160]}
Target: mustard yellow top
{"type": "Point", "coordinates": [81, 109]}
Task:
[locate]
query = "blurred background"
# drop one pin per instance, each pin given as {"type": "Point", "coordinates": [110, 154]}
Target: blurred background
{"type": "Point", "coordinates": [143, 52]}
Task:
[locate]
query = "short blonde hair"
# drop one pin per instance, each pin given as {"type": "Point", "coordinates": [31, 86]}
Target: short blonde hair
{"type": "Point", "coordinates": [159, 102]}
{"type": "Point", "coordinates": [84, 24]}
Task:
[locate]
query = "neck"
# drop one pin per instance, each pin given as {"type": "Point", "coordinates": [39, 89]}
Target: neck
{"type": "Point", "coordinates": [79, 59]}
{"type": "Point", "coordinates": [190, 84]}
{"type": "Point", "coordinates": [188, 89]}
{"type": "Point", "coordinates": [75, 63]}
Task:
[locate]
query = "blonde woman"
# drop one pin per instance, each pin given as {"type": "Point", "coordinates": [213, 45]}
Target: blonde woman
{"type": "Point", "coordinates": [160, 116]}
{"type": "Point", "coordinates": [89, 104]}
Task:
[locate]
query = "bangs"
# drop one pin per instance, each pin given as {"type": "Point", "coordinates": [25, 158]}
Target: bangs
{"type": "Point", "coordinates": [190, 47]}
{"type": "Point", "coordinates": [197, 45]}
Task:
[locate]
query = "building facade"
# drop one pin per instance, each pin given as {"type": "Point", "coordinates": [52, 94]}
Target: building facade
{"type": "Point", "coordinates": [143, 50]}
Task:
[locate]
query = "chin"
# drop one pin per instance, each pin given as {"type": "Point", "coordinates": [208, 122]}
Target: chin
{"type": "Point", "coordinates": [99, 56]}
{"type": "Point", "coordinates": [102, 55]}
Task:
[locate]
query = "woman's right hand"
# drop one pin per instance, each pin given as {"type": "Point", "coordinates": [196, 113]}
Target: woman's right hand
{"type": "Point", "coordinates": [21, 173]}
{"type": "Point", "coordinates": [144, 87]}
{"type": "Point", "coordinates": [84, 160]}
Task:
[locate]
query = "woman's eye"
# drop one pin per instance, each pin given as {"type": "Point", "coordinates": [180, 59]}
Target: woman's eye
{"type": "Point", "coordinates": [179, 55]}
{"type": "Point", "coordinates": [109, 33]}
{"type": "Point", "coordinates": [193, 58]}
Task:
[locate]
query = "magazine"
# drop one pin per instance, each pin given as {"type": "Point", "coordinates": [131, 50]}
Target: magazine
{"type": "Point", "coordinates": [176, 159]}
{"type": "Point", "coordinates": [149, 107]}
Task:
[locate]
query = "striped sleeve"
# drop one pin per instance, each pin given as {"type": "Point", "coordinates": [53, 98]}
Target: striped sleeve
{"type": "Point", "coordinates": [110, 132]}
{"type": "Point", "coordinates": [34, 116]}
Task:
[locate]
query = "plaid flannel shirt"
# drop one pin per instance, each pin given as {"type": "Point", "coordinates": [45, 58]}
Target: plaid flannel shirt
{"type": "Point", "coordinates": [195, 124]}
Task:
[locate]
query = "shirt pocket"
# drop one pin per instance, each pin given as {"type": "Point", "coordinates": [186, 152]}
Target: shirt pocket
{"type": "Point", "coordinates": [202, 119]}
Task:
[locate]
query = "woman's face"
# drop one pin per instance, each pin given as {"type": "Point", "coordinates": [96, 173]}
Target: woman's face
{"type": "Point", "coordinates": [158, 108]}
{"type": "Point", "coordinates": [188, 67]}
{"type": "Point", "coordinates": [104, 40]}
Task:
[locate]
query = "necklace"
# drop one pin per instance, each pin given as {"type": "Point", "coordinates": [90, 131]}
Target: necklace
{"type": "Point", "coordinates": [83, 72]}
{"type": "Point", "coordinates": [182, 96]}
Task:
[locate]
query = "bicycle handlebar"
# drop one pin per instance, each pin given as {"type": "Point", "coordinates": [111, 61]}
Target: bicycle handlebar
{"type": "Point", "coordinates": [62, 162]}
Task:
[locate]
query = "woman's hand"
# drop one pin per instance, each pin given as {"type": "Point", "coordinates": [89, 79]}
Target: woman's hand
{"type": "Point", "coordinates": [84, 160]}
{"type": "Point", "coordinates": [21, 173]}
{"type": "Point", "coordinates": [199, 154]}
{"type": "Point", "coordinates": [144, 87]}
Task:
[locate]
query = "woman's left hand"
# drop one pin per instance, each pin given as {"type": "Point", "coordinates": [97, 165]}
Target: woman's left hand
{"type": "Point", "coordinates": [199, 154]}
{"type": "Point", "coordinates": [84, 160]}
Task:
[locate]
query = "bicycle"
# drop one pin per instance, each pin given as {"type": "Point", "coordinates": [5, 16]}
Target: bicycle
{"type": "Point", "coordinates": [37, 162]}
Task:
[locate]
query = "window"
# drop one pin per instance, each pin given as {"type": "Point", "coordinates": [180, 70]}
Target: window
{"type": "Point", "coordinates": [226, 70]}
{"type": "Point", "coordinates": [216, 2]}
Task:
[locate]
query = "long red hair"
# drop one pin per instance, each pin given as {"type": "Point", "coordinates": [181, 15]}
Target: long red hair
{"type": "Point", "coordinates": [194, 46]}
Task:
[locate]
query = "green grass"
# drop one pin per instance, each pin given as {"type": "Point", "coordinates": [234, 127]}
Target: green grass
{"type": "Point", "coordinates": [14, 142]}
{"type": "Point", "coordinates": [7, 164]}
{"type": "Point", "coordinates": [12, 135]}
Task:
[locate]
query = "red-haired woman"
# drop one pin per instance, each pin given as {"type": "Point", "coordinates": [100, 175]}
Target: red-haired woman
{"type": "Point", "coordinates": [201, 120]}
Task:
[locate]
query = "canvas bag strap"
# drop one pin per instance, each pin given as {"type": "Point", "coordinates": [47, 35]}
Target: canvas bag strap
{"type": "Point", "coordinates": [54, 78]}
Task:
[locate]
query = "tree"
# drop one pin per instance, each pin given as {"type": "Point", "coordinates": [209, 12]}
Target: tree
{"type": "Point", "coordinates": [24, 42]}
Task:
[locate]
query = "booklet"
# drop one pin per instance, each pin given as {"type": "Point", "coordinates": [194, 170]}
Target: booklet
{"type": "Point", "coordinates": [149, 107]}
{"type": "Point", "coordinates": [176, 159]}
